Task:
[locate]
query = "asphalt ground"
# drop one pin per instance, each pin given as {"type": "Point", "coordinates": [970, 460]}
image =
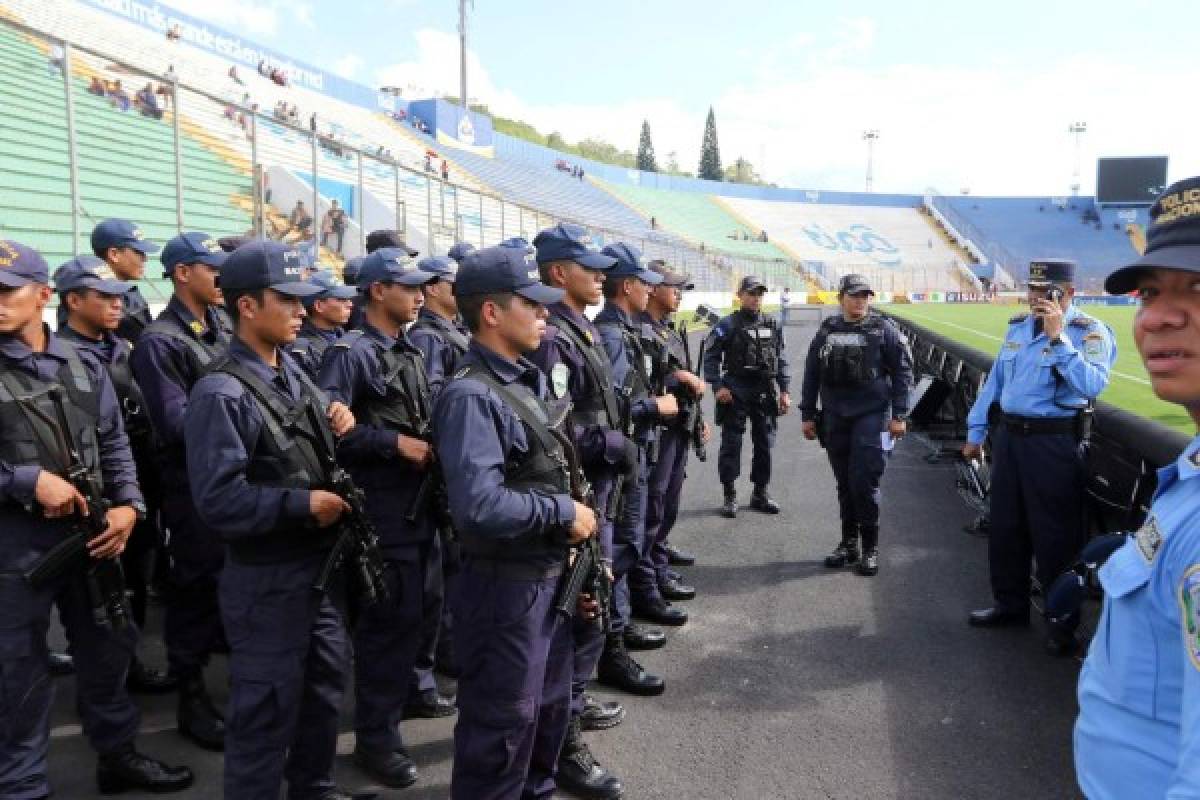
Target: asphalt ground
{"type": "Point", "coordinates": [790, 680]}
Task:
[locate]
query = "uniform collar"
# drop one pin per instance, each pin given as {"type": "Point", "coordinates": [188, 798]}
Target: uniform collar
{"type": "Point", "coordinates": [522, 370]}
{"type": "Point", "coordinates": [613, 310]}
{"type": "Point", "coordinates": [312, 331]}
{"type": "Point", "coordinates": [239, 351]}
{"type": "Point", "coordinates": [1188, 463]}
{"type": "Point", "coordinates": [437, 319]}
{"type": "Point", "coordinates": [561, 309]}
{"type": "Point", "coordinates": [14, 349]}
{"type": "Point", "coordinates": [209, 326]}
{"type": "Point", "coordinates": [376, 335]}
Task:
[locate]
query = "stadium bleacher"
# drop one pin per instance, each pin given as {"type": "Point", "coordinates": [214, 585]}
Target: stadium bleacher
{"type": "Point", "coordinates": [1025, 228]}
{"type": "Point", "coordinates": [126, 164]}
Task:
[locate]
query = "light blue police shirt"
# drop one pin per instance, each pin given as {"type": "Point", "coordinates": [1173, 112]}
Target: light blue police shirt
{"type": "Point", "coordinates": [1033, 378]}
{"type": "Point", "coordinates": [1138, 731]}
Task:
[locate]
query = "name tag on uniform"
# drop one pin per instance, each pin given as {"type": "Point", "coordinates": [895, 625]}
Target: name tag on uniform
{"type": "Point", "coordinates": [846, 339]}
{"type": "Point", "coordinates": [759, 333]}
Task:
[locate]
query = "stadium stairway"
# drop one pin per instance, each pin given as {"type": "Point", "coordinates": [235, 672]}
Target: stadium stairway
{"type": "Point", "coordinates": [126, 164]}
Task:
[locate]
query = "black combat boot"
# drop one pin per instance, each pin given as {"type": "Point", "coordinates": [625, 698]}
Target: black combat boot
{"type": "Point", "coordinates": [761, 501]}
{"type": "Point", "coordinates": [197, 717]}
{"type": "Point", "coordinates": [869, 565]}
{"type": "Point", "coordinates": [846, 552]}
{"type": "Point", "coordinates": [618, 670]}
{"type": "Point", "coordinates": [578, 771]}
{"type": "Point", "coordinates": [730, 508]}
{"type": "Point", "coordinates": [143, 679]}
{"type": "Point", "coordinates": [125, 768]}
{"type": "Point", "coordinates": [600, 715]}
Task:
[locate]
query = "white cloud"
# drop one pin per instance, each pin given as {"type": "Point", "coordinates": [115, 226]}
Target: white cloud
{"type": "Point", "coordinates": [998, 129]}
{"type": "Point", "coordinates": [348, 65]}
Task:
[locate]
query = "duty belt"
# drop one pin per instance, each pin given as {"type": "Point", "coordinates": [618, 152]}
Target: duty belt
{"type": "Point", "coordinates": [512, 570]}
{"type": "Point", "coordinates": [1034, 426]}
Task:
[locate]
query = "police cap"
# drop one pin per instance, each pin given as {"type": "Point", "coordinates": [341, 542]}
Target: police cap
{"type": "Point", "coordinates": [1172, 238]}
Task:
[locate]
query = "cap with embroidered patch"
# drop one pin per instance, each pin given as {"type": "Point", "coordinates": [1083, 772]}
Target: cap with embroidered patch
{"type": "Point", "coordinates": [192, 247]}
{"type": "Point", "coordinates": [89, 272]}
{"type": "Point", "coordinates": [853, 283]}
{"type": "Point", "coordinates": [630, 264]}
{"type": "Point", "coordinates": [459, 250]}
{"type": "Point", "coordinates": [121, 233]}
{"type": "Point", "coordinates": [378, 240]}
{"type": "Point", "coordinates": [440, 267]}
{"type": "Point", "coordinates": [1045, 271]}
{"type": "Point", "coordinates": [21, 265]}
{"type": "Point", "coordinates": [751, 283]}
{"type": "Point", "coordinates": [1172, 238]}
{"type": "Point", "coordinates": [330, 288]}
{"type": "Point", "coordinates": [266, 265]}
{"type": "Point", "coordinates": [503, 269]}
{"type": "Point", "coordinates": [676, 280]}
{"type": "Point", "coordinates": [568, 242]}
{"type": "Point", "coordinates": [390, 265]}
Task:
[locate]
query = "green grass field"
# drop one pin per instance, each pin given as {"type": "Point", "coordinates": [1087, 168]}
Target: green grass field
{"type": "Point", "coordinates": [983, 327]}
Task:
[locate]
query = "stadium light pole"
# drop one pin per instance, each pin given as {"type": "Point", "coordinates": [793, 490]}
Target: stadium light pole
{"type": "Point", "coordinates": [462, 51]}
{"type": "Point", "coordinates": [1077, 129]}
{"type": "Point", "coordinates": [870, 137]}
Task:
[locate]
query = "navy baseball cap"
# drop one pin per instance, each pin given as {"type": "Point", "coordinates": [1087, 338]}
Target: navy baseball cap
{"type": "Point", "coordinates": [390, 265]}
{"type": "Point", "coordinates": [192, 247]}
{"type": "Point", "coordinates": [459, 250]}
{"type": "Point", "coordinates": [231, 243]}
{"type": "Point", "coordinates": [1046, 271]}
{"type": "Point", "coordinates": [519, 242]}
{"type": "Point", "coordinates": [21, 265]}
{"type": "Point", "coordinates": [89, 272]}
{"type": "Point", "coordinates": [329, 287]}
{"type": "Point", "coordinates": [630, 264]}
{"type": "Point", "coordinates": [350, 270]}
{"type": "Point", "coordinates": [853, 283]}
{"type": "Point", "coordinates": [1172, 238]}
{"type": "Point", "coordinates": [678, 280]}
{"type": "Point", "coordinates": [751, 283]}
{"type": "Point", "coordinates": [441, 267]}
{"type": "Point", "coordinates": [503, 269]}
{"type": "Point", "coordinates": [567, 242]}
{"type": "Point", "coordinates": [265, 265]}
{"type": "Point", "coordinates": [121, 233]}
{"type": "Point", "coordinates": [378, 240]}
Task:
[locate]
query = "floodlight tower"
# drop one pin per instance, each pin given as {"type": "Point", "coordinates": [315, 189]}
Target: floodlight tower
{"type": "Point", "coordinates": [1076, 129]}
{"type": "Point", "coordinates": [870, 136]}
{"type": "Point", "coordinates": [462, 51]}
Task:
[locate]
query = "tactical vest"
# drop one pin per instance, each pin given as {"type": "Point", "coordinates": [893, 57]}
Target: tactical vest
{"type": "Point", "coordinates": [641, 360]}
{"type": "Point", "coordinates": [599, 407]}
{"type": "Point", "coordinates": [284, 456]}
{"type": "Point", "coordinates": [201, 353]}
{"type": "Point", "coordinates": [404, 405]}
{"type": "Point", "coordinates": [446, 330]}
{"type": "Point", "coordinates": [135, 318]}
{"type": "Point", "coordinates": [754, 347]}
{"type": "Point", "coordinates": [309, 350]}
{"type": "Point", "coordinates": [851, 355]}
{"type": "Point", "coordinates": [129, 394]}
{"type": "Point", "coordinates": [30, 437]}
{"type": "Point", "coordinates": [543, 468]}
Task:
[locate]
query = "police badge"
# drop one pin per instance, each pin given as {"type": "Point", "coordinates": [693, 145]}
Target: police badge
{"type": "Point", "coordinates": [1189, 607]}
{"type": "Point", "coordinates": [559, 374]}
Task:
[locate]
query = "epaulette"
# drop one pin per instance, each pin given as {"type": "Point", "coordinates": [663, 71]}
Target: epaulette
{"type": "Point", "coordinates": [348, 339]}
{"type": "Point", "coordinates": [1018, 318]}
{"type": "Point", "coordinates": [1082, 321]}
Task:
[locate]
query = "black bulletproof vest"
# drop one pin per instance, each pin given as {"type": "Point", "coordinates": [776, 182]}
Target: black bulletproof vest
{"type": "Point", "coordinates": [201, 353]}
{"type": "Point", "coordinates": [543, 467]}
{"type": "Point", "coordinates": [136, 317]}
{"type": "Point", "coordinates": [133, 404]}
{"type": "Point", "coordinates": [600, 406]}
{"type": "Point", "coordinates": [404, 405]}
{"type": "Point", "coordinates": [852, 352]}
{"type": "Point", "coordinates": [753, 349]}
{"type": "Point", "coordinates": [31, 438]}
{"type": "Point", "coordinates": [450, 334]}
{"type": "Point", "coordinates": [641, 361]}
{"type": "Point", "coordinates": [309, 350]}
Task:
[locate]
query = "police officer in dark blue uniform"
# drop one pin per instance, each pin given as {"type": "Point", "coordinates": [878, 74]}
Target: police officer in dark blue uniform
{"type": "Point", "coordinates": [577, 367]}
{"type": "Point", "coordinates": [379, 374]}
{"type": "Point", "coordinates": [509, 494]}
{"type": "Point", "coordinates": [628, 342]}
{"type": "Point", "coordinates": [121, 245]}
{"type": "Point", "coordinates": [326, 314]}
{"type": "Point", "coordinates": [91, 305]}
{"type": "Point", "coordinates": [38, 509]}
{"type": "Point", "coordinates": [251, 431]}
{"type": "Point", "coordinates": [1053, 365]}
{"type": "Point", "coordinates": [168, 359]}
{"type": "Point", "coordinates": [749, 345]}
{"type": "Point", "coordinates": [665, 483]}
{"type": "Point", "coordinates": [350, 278]}
{"type": "Point", "coordinates": [442, 339]}
{"type": "Point", "coordinates": [860, 369]}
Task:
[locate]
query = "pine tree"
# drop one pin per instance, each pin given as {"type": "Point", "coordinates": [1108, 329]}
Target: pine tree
{"type": "Point", "coordinates": [645, 153]}
{"type": "Point", "coordinates": [710, 153]}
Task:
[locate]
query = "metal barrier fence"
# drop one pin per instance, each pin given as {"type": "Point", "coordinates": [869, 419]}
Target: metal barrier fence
{"type": "Point", "coordinates": [230, 161]}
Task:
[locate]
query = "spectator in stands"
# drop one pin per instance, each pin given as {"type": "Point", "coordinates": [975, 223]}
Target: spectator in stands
{"type": "Point", "coordinates": [581, 173]}
{"type": "Point", "coordinates": [785, 305]}
{"type": "Point", "coordinates": [167, 96]}
{"type": "Point", "coordinates": [445, 170]}
{"type": "Point", "coordinates": [262, 67]}
{"type": "Point", "coordinates": [428, 163]}
{"type": "Point", "coordinates": [57, 58]}
{"type": "Point", "coordinates": [233, 76]}
{"type": "Point", "coordinates": [96, 87]}
{"type": "Point", "coordinates": [294, 115]}
{"type": "Point", "coordinates": [299, 224]}
{"type": "Point", "coordinates": [334, 224]}
{"type": "Point", "coordinates": [146, 102]}
{"type": "Point", "coordinates": [118, 97]}
{"type": "Point", "coordinates": [653, 223]}
{"type": "Point", "coordinates": [174, 34]}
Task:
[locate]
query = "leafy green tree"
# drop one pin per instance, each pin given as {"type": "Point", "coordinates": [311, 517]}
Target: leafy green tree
{"type": "Point", "coordinates": [710, 153]}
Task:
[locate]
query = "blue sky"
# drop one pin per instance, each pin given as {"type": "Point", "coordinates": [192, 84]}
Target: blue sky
{"type": "Point", "coordinates": [966, 95]}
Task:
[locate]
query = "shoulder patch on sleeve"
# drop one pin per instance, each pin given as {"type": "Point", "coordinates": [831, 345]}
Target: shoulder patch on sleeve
{"type": "Point", "coordinates": [1189, 616]}
{"type": "Point", "coordinates": [1013, 320]}
{"type": "Point", "coordinates": [1149, 538]}
{"type": "Point", "coordinates": [1082, 322]}
{"type": "Point", "coordinates": [1093, 345]}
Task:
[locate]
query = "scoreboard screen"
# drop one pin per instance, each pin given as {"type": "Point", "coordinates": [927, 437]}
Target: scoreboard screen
{"type": "Point", "coordinates": [1130, 180]}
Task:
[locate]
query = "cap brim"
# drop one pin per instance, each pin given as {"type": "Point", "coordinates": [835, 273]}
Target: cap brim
{"type": "Point", "coordinates": [11, 281]}
{"type": "Point", "coordinates": [650, 277]}
{"type": "Point", "coordinates": [595, 261]}
{"type": "Point", "coordinates": [754, 287]}
{"type": "Point", "coordinates": [1181, 257]}
{"type": "Point", "coordinates": [541, 293]}
{"type": "Point", "coordinates": [414, 278]}
{"type": "Point", "coordinates": [296, 289]}
{"type": "Point", "coordinates": [115, 288]}
{"type": "Point", "coordinates": [144, 246]}
{"type": "Point", "coordinates": [342, 293]}
{"type": "Point", "coordinates": [859, 290]}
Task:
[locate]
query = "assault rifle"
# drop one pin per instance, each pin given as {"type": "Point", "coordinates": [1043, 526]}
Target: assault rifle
{"type": "Point", "coordinates": [586, 573]}
{"type": "Point", "coordinates": [103, 577]}
{"type": "Point", "coordinates": [694, 418]}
